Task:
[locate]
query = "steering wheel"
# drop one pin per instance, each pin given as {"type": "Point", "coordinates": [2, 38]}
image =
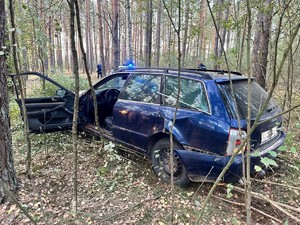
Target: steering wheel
{"type": "Point", "coordinates": [111, 96]}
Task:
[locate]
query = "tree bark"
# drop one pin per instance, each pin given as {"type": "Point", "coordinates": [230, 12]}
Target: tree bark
{"type": "Point", "coordinates": [115, 34]}
{"type": "Point", "coordinates": [186, 28]}
{"type": "Point", "coordinates": [67, 53]}
{"type": "Point", "coordinates": [141, 31]}
{"type": "Point", "coordinates": [87, 34]}
{"type": "Point", "coordinates": [7, 170]}
{"type": "Point", "coordinates": [51, 43]}
{"type": "Point", "coordinates": [107, 42]}
{"type": "Point", "coordinates": [76, 102]}
{"type": "Point", "coordinates": [128, 10]}
{"type": "Point", "coordinates": [216, 38]}
{"type": "Point", "coordinates": [22, 90]}
{"type": "Point", "coordinates": [158, 33]}
{"type": "Point", "coordinates": [202, 38]}
{"type": "Point", "coordinates": [148, 34]}
{"type": "Point", "coordinates": [101, 46]}
{"type": "Point", "coordinates": [59, 50]}
{"type": "Point", "coordinates": [123, 31]}
{"type": "Point", "coordinates": [224, 30]}
{"type": "Point", "coordinates": [261, 43]}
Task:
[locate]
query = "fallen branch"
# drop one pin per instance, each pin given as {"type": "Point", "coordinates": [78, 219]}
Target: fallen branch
{"type": "Point", "coordinates": [242, 204]}
{"type": "Point", "coordinates": [129, 208]}
{"type": "Point", "coordinates": [277, 205]}
{"type": "Point", "coordinates": [14, 199]}
{"type": "Point", "coordinates": [278, 184]}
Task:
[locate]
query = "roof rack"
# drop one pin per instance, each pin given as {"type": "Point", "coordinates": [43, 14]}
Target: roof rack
{"type": "Point", "coordinates": [217, 71]}
{"type": "Point", "coordinates": [196, 72]}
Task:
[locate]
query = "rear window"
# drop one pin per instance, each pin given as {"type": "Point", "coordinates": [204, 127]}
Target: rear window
{"type": "Point", "coordinates": [192, 94]}
{"type": "Point", "coordinates": [240, 89]}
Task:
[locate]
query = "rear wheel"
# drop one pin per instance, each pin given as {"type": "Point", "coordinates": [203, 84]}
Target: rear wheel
{"type": "Point", "coordinates": [160, 158]}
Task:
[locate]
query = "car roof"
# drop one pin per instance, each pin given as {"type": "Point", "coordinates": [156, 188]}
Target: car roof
{"type": "Point", "coordinates": [218, 75]}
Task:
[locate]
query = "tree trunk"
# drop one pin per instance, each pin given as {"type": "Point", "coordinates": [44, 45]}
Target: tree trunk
{"type": "Point", "coordinates": [241, 54]}
{"type": "Point", "coordinates": [158, 33]}
{"type": "Point", "coordinates": [148, 34]}
{"type": "Point", "coordinates": [135, 37]}
{"type": "Point", "coordinates": [224, 30]}
{"type": "Point", "coordinates": [51, 43]}
{"type": "Point", "coordinates": [87, 33]}
{"type": "Point", "coordinates": [202, 21]}
{"type": "Point", "coordinates": [261, 43]}
{"type": "Point", "coordinates": [7, 170]}
{"type": "Point", "coordinates": [141, 38]}
{"type": "Point", "coordinates": [22, 91]}
{"type": "Point", "coordinates": [115, 34]}
{"type": "Point", "coordinates": [107, 42]}
{"type": "Point", "coordinates": [101, 47]}
{"type": "Point", "coordinates": [59, 51]}
{"type": "Point", "coordinates": [95, 43]}
{"type": "Point", "coordinates": [216, 38]}
{"type": "Point", "coordinates": [92, 44]}
{"type": "Point", "coordinates": [186, 28]}
{"type": "Point", "coordinates": [123, 36]}
{"type": "Point", "coordinates": [67, 53]}
{"type": "Point", "coordinates": [129, 29]}
{"type": "Point", "coordinates": [76, 102]}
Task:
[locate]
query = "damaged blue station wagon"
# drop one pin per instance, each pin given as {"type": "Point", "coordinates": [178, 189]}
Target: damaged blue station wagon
{"type": "Point", "coordinates": [136, 108]}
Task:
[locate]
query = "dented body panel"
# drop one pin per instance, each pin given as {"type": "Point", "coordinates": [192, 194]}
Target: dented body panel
{"type": "Point", "coordinates": [205, 166]}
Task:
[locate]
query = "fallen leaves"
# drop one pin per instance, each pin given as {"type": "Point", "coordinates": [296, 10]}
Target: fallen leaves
{"type": "Point", "coordinates": [109, 185]}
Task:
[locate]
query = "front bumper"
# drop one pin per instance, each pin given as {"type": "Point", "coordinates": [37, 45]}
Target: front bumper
{"type": "Point", "coordinates": [201, 166]}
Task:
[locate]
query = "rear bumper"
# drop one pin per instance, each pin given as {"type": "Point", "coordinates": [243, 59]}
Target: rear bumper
{"type": "Point", "coordinates": [201, 165]}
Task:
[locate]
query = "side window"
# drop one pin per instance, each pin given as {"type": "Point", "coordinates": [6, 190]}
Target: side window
{"type": "Point", "coordinates": [192, 94]}
{"type": "Point", "coordinates": [116, 83]}
{"type": "Point", "coordinates": [37, 87]}
{"type": "Point", "coordinates": [142, 88]}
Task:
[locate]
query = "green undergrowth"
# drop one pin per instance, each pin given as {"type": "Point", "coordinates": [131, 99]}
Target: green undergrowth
{"type": "Point", "coordinates": [68, 81]}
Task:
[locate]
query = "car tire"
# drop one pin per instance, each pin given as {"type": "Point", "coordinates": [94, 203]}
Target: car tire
{"type": "Point", "coordinates": [159, 158]}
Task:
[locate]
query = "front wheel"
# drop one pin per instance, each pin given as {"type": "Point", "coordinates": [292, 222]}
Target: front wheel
{"type": "Point", "coordinates": [160, 158]}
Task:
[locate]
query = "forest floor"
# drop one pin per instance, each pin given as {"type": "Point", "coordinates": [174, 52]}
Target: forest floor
{"type": "Point", "coordinates": [119, 188]}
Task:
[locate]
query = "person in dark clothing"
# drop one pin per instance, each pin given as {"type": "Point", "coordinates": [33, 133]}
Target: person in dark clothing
{"type": "Point", "coordinates": [202, 66]}
{"type": "Point", "coordinates": [99, 71]}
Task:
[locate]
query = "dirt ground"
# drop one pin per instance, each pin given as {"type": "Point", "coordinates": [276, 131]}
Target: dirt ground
{"type": "Point", "coordinates": [115, 187]}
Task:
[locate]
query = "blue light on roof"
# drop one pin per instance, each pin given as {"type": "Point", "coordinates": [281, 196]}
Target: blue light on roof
{"type": "Point", "coordinates": [130, 66]}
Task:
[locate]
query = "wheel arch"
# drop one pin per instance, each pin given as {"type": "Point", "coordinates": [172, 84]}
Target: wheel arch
{"type": "Point", "coordinates": [156, 137]}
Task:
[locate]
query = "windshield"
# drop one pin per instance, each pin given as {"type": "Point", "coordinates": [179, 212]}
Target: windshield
{"type": "Point", "coordinates": [240, 88]}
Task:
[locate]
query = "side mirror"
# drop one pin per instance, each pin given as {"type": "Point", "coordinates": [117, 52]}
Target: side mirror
{"type": "Point", "coordinates": [60, 92]}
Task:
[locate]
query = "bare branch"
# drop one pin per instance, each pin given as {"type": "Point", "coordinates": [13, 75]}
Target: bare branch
{"type": "Point", "coordinates": [242, 204]}
{"type": "Point", "coordinates": [14, 199]}
{"type": "Point", "coordinates": [277, 184]}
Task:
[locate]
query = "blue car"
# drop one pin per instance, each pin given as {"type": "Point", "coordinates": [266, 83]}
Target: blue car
{"type": "Point", "coordinates": [136, 108]}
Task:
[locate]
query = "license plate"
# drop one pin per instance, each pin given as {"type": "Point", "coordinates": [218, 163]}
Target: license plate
{"type": "Point", "coordinates": [269, 134]}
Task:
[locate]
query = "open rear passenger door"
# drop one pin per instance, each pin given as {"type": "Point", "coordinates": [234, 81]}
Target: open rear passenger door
{"type": "Point", "coordinates": [49, 105]}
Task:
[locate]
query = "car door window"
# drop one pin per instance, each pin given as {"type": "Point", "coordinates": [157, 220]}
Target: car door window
{"type": "Point", "coordinates": [142, 88]}
{"type": "Point", "coordinates": [37, 87]}
{"type": "Point", "coordinates": [192, 94]}
{"type": "Point", "coordinates": [115, 83]}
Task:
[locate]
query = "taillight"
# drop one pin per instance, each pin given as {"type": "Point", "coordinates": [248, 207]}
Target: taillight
{"type": "Point", "coordinates": [235, 139]}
